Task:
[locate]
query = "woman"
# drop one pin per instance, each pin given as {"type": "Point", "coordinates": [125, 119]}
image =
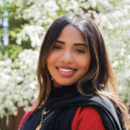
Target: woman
{"type": "Point", "coordinates": [76, 81]}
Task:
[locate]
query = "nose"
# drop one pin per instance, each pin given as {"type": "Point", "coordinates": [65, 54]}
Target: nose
{"type": "Point", "coordinates": [66, 57]}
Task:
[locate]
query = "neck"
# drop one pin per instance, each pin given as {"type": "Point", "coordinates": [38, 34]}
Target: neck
{"type": "Point", "coordinates": [57, 85]}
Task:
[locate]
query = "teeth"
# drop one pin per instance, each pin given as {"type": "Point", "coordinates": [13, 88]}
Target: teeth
{"type": "Point", "coordinates": [65, 70]}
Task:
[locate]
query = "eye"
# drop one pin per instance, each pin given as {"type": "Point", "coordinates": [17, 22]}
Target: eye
{"type": "Point", "coordinates": [56, 47]}
{"type": "Point", "coordinates": [79, 51]}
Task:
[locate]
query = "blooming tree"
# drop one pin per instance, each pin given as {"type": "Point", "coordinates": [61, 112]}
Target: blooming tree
{"type": "Point", "coordinates": [18, 83]}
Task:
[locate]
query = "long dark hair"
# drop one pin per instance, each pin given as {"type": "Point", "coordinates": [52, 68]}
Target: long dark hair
{"type": "Point", "coordinates": [100, 75]}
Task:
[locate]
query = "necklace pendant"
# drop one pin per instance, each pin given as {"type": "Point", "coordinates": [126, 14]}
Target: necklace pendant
{"type": "Point", "coordinates": [39, 127]}
{"type": "Point", "coordinates": [44, 112]}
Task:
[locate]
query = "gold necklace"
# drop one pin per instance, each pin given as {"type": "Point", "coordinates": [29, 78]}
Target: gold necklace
{"type": "Point", "coordinates": [42, 121]}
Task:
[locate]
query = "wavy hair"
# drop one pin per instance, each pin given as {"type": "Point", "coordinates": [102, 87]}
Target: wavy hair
{"type": "Point", "coordinates": [100, 75]}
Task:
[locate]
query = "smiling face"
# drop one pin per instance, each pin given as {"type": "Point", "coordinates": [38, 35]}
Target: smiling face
{"type": "Point", "coordinates": [70, 58]}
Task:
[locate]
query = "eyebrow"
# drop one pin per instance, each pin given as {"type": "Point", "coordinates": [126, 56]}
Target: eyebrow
{"type": "Point", "coordinates": [75, 44]}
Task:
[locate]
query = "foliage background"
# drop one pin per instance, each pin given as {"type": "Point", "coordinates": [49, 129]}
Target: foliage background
{"type": "Point", "coordinates": [28, 22]}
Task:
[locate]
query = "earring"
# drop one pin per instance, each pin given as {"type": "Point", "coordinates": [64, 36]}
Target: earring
{"type": "Point", "coordinates": [52, 78]}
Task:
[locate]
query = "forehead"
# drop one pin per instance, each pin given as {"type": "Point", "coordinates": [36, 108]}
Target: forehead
{"type": "Point", "coordinates": [72, 34]}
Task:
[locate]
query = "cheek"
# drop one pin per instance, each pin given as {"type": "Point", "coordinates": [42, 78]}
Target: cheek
{"type": "Point", "coordinates": [52, 58]}
{"type": "Point", "coordinates": [83, 63]}
{"type": "Point", "coordinates": [49, 60]}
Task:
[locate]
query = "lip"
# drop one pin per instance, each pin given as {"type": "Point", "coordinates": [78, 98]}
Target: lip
{"type": "Point", "coordinates": [66, 74]}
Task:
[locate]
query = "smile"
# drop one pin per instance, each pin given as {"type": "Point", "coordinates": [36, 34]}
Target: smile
{"type": "Point", "coordinates": [65, 71]}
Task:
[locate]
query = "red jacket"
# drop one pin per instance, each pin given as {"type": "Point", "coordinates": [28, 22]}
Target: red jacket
{"type": "Point", "coordinates": [86, 118]}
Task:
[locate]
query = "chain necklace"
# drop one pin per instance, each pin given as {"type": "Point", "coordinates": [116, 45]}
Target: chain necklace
{"type": "Point", "coordinates": [44, 112]}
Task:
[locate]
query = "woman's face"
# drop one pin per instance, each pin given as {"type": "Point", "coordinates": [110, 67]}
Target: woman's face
{"type": "Point", "coordinates": [70, 58]}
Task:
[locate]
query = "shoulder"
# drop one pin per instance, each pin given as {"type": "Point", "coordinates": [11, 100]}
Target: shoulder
{"type": "Point", "coordinates": [87, 118]}
{"type": "Point", "coordinates": [27, 114]}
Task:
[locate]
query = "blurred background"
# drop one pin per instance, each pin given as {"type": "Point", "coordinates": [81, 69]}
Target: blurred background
{"type": "Point", "coordinates": [23, 24]}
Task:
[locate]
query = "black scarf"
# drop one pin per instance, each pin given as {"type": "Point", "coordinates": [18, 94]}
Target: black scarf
{"type": "Point", "coordinates": [65, 101]}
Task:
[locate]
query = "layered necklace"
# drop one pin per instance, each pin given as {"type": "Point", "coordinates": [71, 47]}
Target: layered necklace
{"type": "Point", "coordinates": [44, 112]}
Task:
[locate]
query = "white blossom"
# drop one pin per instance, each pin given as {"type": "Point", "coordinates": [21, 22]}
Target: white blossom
{"type": "Point", "coordinates": [34, 33]}
{"type": "Point", "coordinates": [18, 82]}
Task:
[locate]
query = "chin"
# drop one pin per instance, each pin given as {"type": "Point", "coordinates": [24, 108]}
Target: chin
{"type": "Point", "coordinates": [65, 83]}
